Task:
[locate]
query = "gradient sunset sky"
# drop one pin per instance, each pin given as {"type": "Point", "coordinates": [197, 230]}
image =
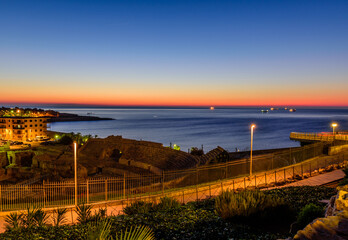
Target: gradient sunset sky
{"type": "Point", "coordinates": [174, 52]}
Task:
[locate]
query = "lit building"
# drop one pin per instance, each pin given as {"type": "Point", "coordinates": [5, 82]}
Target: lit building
{"type": "Point", "coordinates": [24, 124]}
{"type": "Point", "coordinates": [23, 128]}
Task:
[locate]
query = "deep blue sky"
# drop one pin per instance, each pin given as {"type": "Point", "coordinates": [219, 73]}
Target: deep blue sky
{"type": "Point", "coordinates": [167, 52]}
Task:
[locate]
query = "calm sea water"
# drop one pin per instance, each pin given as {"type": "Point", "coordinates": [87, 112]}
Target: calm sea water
{"type": "Point", "coordinates": [228, 128]}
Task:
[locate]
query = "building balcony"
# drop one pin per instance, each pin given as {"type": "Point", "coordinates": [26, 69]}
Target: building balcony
{"type": "Point", "coordinates": [18, 127]}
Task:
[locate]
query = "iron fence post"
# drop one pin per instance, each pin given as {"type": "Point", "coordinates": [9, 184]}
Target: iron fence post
{"type": "Point", "coordinates": [0, 200]}
{"type": "Point", "coordinates": [293, 172]}
{"type": "Point", "coordinates": [87, 191]}
{"type": "Point", "coordinates": [44, 192]}
{"type": "Point", "coordinates": [196, 183]}
{"type": "Point", "coordinates": [124, 185]}
{"type": "Point", "coordinates": [301, 169]}
{"type": "Point", "coordinates": [106, 189]}
{"type": "Point", "coordinates": [163, 182]}
{"type": "Point", "coordinates": [275, 176]}
{"type": "Point", "coordinates": [284, 175]}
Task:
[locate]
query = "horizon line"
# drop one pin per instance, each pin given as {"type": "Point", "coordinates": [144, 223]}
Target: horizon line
{"type": "Point", "coordinates": [19, 104]}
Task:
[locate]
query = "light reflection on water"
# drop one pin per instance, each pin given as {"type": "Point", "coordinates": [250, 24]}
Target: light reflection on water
{"type": "Point", "coordinates": [228, 128]}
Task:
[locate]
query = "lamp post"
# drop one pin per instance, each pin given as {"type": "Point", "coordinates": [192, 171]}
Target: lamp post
{"type": "Point", "coordinates": [75, 169]}
{"type": "Point", "coordinates": [251, 148]}
{"type": "Point", "coordinates": [333, 127]}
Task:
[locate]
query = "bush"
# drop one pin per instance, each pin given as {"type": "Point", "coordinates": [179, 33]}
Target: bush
{"type": "Point", "coordinates": [83, 212]}
{"type": "Point", "coordinates": [308, 214]}
{"type": "Point", "coordinates": [66, 140]}
{"type": "Point", "coordinates": [299, 197]}
{"type": "Point", "coordinates": [248, 205]}
{"type": "Point", "coordinates": [345, 179]}
{"type": "Point", "coordinates": [138, 208]}
{"type": "Point", "coordinates": [167, 204]}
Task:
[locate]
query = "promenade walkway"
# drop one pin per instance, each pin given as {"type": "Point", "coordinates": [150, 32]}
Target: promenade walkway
{"type": "Point", "coordinates": [322, 137]}
{"type": "Point", "coordinates": [319, 180]}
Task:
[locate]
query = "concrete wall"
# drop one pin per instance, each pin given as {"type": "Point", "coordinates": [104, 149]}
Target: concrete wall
{"type": "Point", "coordinates": [337, 149]}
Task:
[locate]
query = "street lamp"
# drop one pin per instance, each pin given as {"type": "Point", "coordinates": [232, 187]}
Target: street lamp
{"type": "Point", "coordinates": [75, 168]}
{"type": "Point", "coordinates": [251, 148]}
{"type": "Point", "coordinates": [333, 127]}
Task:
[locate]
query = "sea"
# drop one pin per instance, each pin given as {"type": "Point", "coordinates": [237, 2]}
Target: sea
{"type": "Point", "coordinates": [205, 128]}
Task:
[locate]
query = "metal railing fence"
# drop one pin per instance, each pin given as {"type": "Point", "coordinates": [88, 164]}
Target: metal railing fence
{"type": "Point", "coordinates": [187, 184]}
{"type": "Point", "coordinates": [320, 136]}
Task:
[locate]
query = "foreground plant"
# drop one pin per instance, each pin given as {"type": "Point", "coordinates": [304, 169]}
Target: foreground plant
{"type": "Point", "coordinates": [83, 212]}
{"type": "Point", "coordinates": [245, 204]}
{"type": "Point", "coordinates": [59, 217]}
{"type": "Point", "coordinates": [136, 233]}
{"type": "Point", "coordinates": [13, 221]}
{"type": "Point", "coordinates": [40, 217]}
{"type": "Point", "coordinates": [99, 230]}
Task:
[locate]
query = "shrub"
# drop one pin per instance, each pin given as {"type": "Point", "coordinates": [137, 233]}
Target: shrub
{"type": "Point", "coordinates": [40, 217]}
{"type": "Point", "coordinates": [29, 219]}
{"type": "Point", "coordinates": [59, 217]}
{"type": "Point", "coordinates": [167, 204]}
{"type": "Point", "coordinates": [138, 207]}
{"type": "Point", "coordinates": [230, 205]}
{"type": "Point", "coordinates": [13, 221]}
{"type": "Point", "coordinates": [299, 197]}
{"type": "Point", "coordinates": [308, 214]}
{"type": "Point", "coordinates": [345, 179]}
{"type": "Point", "coordinates": [83, 212]}
{"type": "Point", "coordinates": [66, 140]}
{"type": "Point", "coordinates": [99, 215]}
{"type": "Point", "coordinates": [99, 230]}
{"type": "Point", "coordinates": [136, 233]}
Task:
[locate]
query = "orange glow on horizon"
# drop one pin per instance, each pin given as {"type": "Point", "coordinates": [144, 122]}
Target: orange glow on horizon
{"type": "Point", "coordinates": [163, 95]}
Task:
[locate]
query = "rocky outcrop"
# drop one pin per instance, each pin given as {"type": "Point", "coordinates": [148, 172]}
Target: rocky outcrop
{"type": "Point", "coordinates": [335, 223]}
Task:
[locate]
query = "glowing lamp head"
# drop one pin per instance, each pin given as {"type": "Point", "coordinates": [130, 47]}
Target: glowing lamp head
{"type": "Point", "coordinates": [334, 125]}
{"type": "Point", "coordinates": [253, 126]}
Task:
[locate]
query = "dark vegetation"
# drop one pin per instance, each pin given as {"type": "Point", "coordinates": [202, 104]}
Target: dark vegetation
{"type": "Point", "coordinates": [69, 138]}
{"type": "Point", "coordinates": [248, 213]}
{"type": "Point", "coordinates": [345, 179]}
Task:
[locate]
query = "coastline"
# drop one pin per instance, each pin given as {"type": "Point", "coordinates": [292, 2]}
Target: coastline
{"type": "Point", "coordinates": [70, 117]}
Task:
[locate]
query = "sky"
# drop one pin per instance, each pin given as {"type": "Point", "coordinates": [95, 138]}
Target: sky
{"type": "Point", "coordinates": [174, 53]}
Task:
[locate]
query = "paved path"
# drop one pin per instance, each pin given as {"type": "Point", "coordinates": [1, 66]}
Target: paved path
{"type": "Point", "coordinates": [319, 179]}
